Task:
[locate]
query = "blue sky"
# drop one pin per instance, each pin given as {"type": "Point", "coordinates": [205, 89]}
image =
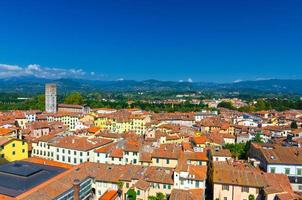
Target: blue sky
{"type": "Point", "coordinates": [216, 41]}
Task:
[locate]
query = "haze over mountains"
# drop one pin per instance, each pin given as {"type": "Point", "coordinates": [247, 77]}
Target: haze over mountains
{"type": "Point", "coordinates": [36, 85]}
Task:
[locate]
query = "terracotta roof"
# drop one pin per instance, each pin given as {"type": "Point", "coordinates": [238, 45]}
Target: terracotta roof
{"type": "Point", "coordinates": [4, 197]}
{"type": "Point", "coordinates": [237, 174]}
{"type": "Point", "coordinates": [145, 157]}
{"type": "Point", "coordinates": [48, 162]}
{"type": "Point", "coordinates": [166, 151]}
{"type": "Point", "coordinates": [221, 152]}
{"type": "Point", "coordinates": [282, 155]}
{"type": "Point", "coordinates": [80, 143]}
{"type": "Point", "coordinates": [192, 194]}
{"type": "Point", "coordinates": [198, 156]}
{"type": "Point", "coordinates": [6, 131]}
{"type": "Point", "coordinates": [93, 129]}
{"type": "Point", "coordinates": [142, 185]}
{"type": "Point", "coordinates": [199, 139]}
{"type": "Point", "coordinates": [4, 140]}
{"type": "Point", "coordinates": [109, 195]}
{"type": "Point", "coordinates": [132, 146]}
{"type": "Point", "coordinates": [116, 153]}
{"type": "Point", "coordinates": [199, 172]}
{"type": "Point", "coordinates": [70, 106]}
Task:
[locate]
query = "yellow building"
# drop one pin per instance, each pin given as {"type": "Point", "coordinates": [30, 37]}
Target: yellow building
{"type": "Point", "coordinates": [121, 124]}
{"type": "Point", "coordinates": [101, 121]}
{"type": "Point", "coordinates": [12, 149]}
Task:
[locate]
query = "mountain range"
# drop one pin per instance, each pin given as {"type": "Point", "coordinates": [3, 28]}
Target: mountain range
{"type": "Point", "coordinates": [33, 85]}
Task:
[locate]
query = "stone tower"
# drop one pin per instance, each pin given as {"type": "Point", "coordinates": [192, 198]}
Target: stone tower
{"type": "Point", "coordinates": [51, 98]}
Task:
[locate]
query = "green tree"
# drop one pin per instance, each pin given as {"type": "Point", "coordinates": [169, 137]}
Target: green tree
{"type": "Point", "coordinates": [160, 196]}
{"type": "Point", "coordinates": [74, 98]}
{"type": "Point", "coordinates": [131, 194]}
{"type": "Point", "coordinates": [294, 125]}
{"type": "Point", "coordinates": [257, 138]}
{"type": "Point", "coordinates": [238, 150]}
{"type": "Point", "coordinates": [251, 197]}
{"type": "Point", "coordinates": [261, 105]}
{"type": "Point", "coordinates": [226, 104]}
{"type": "Point", "coordinates": [120, 184]}
{"type": "Point", "coordinates": [152, 198]}
{"type": "Point", "coordinates": [247, 109]}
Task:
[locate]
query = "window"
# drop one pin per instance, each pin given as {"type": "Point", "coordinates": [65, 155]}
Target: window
{"type": "Point", "coordinates": [169, 186]}
{"type": "Point", "coordinates": [257, 190]}
{"type": "Point", "coordinates": [245, 189]}
{"type": "Point", "coordinates": [127, 185]}
{"type": "Point", "coordinates": [300, 187]}
{"type": "Point", "coordinates": [168, 161]}
{"type": "Point", "coordinates": [2, 155]}
{"type": "Point", "coordinates": [138, 192]}
{"type": "Point", "coordinates": [164, 186]}
{"type": "Point", "coordinates": [23, 150]}
{"type": "Point", "coordinates": [287, 170]}
{"type": "Point", "coordinates": [75, 153]}
{"type": "Point", "coordinates": [58, 157]}
{"type": "Point", "coordinates": [225, 198]}
{"type": "Point", "coordinates": [273, 170]}
{"type": "Point", "coordinates": [157, 160]}
{"type": "Point", "coordinates": [13, 145]}
{"type": "Point", "coordinates": [74, 160]}
{"type": "Point", "coordinates": [197, 184]}
{"type": "Point", "coordinates": [14, 153]}
{"type": "Point", "coordinates": [299, 171]}
{"type": "Point", "coordinates": [225, 187]}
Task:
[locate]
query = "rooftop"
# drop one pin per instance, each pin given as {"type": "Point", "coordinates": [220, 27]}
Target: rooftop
{"type": "Point", "coordinates": [20, 176]}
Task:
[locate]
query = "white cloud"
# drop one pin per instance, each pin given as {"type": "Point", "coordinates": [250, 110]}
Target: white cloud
{"type": "Point", "coordinates": [237, 81]}
{"type": "Point", "coordinates": [38, 71]}
{"type": "Point", "coordinates": [10, 67]}
{"type": "Point", "coordinates": [263, 78]}
{"type": "Point", "coordinates": [190, 80]}
{"type": "Point", "coordinates": [34, 67]}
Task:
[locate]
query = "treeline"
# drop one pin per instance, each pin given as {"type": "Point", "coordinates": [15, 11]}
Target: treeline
{"type": "Point", "coordinates": [32, 103]}
{"type": "Point", "coordinates": [97, 100]}
{"type": "Point", "coordinates": [267, 104]}
{"type": "Point", "coordinates": [155, 107]}
{"type": "Point", "coordinates": [37, 102]}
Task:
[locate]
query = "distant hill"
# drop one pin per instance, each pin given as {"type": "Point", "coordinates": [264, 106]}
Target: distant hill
{"type": "Point", "coordinates": [272, 85]}
{"type": "Point", "coordinates": [32, 85]}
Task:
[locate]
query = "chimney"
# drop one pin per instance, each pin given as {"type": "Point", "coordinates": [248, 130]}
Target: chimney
{"type": "Point", "coordinates": [76, 189]}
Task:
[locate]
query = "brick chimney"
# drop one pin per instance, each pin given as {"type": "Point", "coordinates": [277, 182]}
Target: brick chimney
{"type": "Point", "coordinates": [76, 189]}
